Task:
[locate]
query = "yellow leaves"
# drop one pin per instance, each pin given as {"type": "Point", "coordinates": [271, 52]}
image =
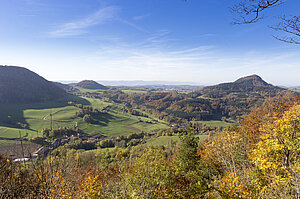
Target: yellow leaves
{"type": "Point", "coordinates": [230, 186]}
{"type": "Point", "coordinates": [266, 147]}
{"type": "Point", "coordinates": [276, 154]}
{"type": "Point", "coordinates": [59, 186]}
{"type": "Point", "coordinates": [91, 186]}
{"type": "Point", "coordinates": [222, 149]}
{"type": "Point", "coordinates": [280, 139]}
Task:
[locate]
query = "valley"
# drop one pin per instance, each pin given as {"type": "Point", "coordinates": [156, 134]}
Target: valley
{"type": "Point", "coordinates": [88, 125]}
{"type": "Point", "coordinates": [126, 110]}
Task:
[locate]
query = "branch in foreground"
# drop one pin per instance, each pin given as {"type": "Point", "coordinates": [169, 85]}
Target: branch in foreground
{"type": "Point", "coordinates": [291, 26]}
{"type": "Point", "coordinates": [249, 11]}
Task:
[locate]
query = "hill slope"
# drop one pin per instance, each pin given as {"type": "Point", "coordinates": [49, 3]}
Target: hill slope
{"type": "Point", "coordinates": [20, 85]}
{"type": "Point", "coordinates": [227, 99]}
{"type": "Point", "coordinates": [244, 85]}
{"type": "Point", "coordinates": [89, 84]}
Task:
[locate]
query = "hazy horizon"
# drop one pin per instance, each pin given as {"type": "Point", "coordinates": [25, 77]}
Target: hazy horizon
{"type": "Point", "coordinates": [151, 83]}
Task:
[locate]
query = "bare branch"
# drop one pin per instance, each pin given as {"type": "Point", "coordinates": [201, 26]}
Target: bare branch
{"type": "Point", "coordinates": [249, 11]}
{"type": "Point", "coordinates": [291, 26]}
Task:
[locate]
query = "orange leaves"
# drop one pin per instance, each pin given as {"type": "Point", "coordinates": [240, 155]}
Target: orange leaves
{"type": "Point", "coordinates": [270, 111]}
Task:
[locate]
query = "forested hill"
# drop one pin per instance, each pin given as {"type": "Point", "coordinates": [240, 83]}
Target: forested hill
{"type": "Point", "coordinates": [89, 84]}
{"type": "Point", "coordinates": [20, 85]}
{"type": "Point", "coordinates": [244, 85]}
{"type": "Point", "coordinates": [232, 99]}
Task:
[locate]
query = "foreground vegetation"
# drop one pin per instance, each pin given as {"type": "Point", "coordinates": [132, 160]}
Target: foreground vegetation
{"type": "Point", "coordinates": [258, 159]}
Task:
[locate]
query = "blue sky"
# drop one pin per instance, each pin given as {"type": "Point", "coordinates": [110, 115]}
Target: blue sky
{"type": "Point", "coordinates": [166, 40]}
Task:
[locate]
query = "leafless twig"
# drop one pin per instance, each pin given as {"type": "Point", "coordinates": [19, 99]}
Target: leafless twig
{"type": "Point", "coordinates": [291, 26]}
{"type": "Point", "coordinates": [249, 11]}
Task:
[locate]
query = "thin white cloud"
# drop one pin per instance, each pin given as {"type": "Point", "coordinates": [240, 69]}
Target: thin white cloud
{"type": "Point", "coordinates": [151, 59]}
{"type": "Point", "coordinates": [191, 50]}
{"type": "Point", "coordinates": [80, 27]}
{"type": "Point", "coordinates": [158, 37]}
{"type": "Point", "coordinates": [27, 15]}
{"type": "Point", "coordinates": [140, 17]}
{"type": "Point", "coordinates": [131, 24]}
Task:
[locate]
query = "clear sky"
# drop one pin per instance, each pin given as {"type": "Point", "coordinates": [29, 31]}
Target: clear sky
{"type": "Point", "coordinates": [166, 40]}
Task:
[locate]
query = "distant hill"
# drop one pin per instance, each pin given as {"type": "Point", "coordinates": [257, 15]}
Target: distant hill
{"type": "Point", "coordinates": [252, 81]}
{"type": "Point", "coordinates": [20, 85]}
{"type": "Point", "coordinates": [227, 99]}
{"type": "Point", "coordinates": [245, 85]}
{"type": "Point", "coordinates": [90, 84]}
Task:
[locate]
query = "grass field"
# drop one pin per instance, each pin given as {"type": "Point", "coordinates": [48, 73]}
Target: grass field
{"type": "Point", "coordinates": [113, 123]}
{"type": "Point", "coordinates": [203, 97]}
{"type": "Point", "coordinates": [152, 117]}
{"type": "Point", "coordinates": [13, 133]}
{"type": "Point", "coordinates": [134, 91]}
{"type": "Point", "coordinates": [85, 90]}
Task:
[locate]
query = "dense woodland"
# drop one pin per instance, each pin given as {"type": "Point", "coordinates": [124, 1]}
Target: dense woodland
{"type": "Point", "coordinates": [258, 159]}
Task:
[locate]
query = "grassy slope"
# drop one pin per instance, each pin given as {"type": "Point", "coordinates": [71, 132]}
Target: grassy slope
{"type": "Point", "coordinates": [7, 132]}
{"type": "Point", "coordinates": [118, 121]}
{"type": "Point", "coordinates": [115, 122]}
{"type": "Point", "coordinates": [134, 91]}
{"type": "Point", "coordinates": [85, 90]}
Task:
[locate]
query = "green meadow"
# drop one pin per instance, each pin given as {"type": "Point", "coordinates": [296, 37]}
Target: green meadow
{"type": "Point", "coordinates": [112, 123]}
{"type": "Point", "coordinates": [85, 90]}
{"type": "Point", "coordinates": [134, 91]}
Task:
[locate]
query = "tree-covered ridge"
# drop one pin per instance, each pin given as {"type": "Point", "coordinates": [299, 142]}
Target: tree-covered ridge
{"type": "Point", "coordinates": [90, 84]}
{"type": "Point", "coordinates": [243, 85]}
{"type": "Point", "coordinates": [237, 98]}
{"type": "Point", "coordinates": [20, 85]}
